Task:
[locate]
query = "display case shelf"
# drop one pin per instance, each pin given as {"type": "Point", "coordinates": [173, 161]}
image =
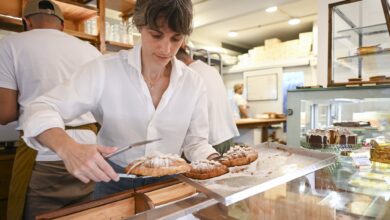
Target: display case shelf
{"type": "Point", "coordinates": [367, 30]}
{"type": "Point", "coordinates": [358, 30]}
{"type": "Point", "coordinates": [382, 52]}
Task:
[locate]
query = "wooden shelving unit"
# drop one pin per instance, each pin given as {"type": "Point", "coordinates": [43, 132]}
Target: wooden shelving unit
{"type": "Point", "coordinates": [75, 14]}
{"type": "Point", "coordinates": [83, 36]}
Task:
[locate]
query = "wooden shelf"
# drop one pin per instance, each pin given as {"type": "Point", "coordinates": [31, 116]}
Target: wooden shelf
{"type": "Point", "coordinates": [119, 44]}
{"type": "Point", "coordinates": [121, 5]}
{"type": "Point", "coordinates": [75, 11]}
{"type": "Point", "coordinates": [12, 8]}
{"type": "Point", "coordinates": [11, 23]}
{"type": "Point", "coordinates": [83, 36]}
{"type": "Point", "coordinates": [124, 6]}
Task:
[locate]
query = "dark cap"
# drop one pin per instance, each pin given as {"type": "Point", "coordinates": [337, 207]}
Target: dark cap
{"type": "Point", "coordinates": [42, 7]}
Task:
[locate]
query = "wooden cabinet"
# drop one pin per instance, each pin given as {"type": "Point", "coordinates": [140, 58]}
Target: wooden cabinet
{"type": "Point", "coordinates": [75, 13]}
{"type": "Point", "coordinates": [125, 204]}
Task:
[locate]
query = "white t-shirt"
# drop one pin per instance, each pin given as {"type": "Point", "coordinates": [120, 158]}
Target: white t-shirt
{"type": "Point", "coordinates": [35, 61]}
{"type": "Point", "coordinates": [221, 122]}
{"type": "Point", "coordinates": [238, 100]}
{"type": "Point", "coordinates": [113, 89]}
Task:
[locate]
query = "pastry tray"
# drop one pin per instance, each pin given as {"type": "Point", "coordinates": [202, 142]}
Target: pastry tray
{"type": "Point", "coordinates": [276, 164]}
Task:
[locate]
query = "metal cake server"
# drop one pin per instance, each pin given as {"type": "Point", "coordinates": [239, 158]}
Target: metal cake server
{"type": "Point", "coordinates": [136, 144]}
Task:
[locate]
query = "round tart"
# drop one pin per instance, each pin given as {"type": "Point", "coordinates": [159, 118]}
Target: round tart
{"type": "Point", "coordinates": [206, 169]}
{"type": "Point", "coordinates": [158, 165]}
{"type": "Point", "coordinates": [239, 155]}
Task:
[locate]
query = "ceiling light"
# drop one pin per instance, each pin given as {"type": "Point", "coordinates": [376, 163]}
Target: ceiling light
{"type": "Point", "coordinates": [294, 21]}
{"type": "Point", "coordinates": [232, 34]}
{"type": "Point", "coordinates": [271, 9]}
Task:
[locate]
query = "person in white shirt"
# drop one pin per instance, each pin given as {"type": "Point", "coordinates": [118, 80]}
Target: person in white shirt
{"type": "Point", "coordinates": [241, 104]}
{"type": "Point", "coordinates": [222, 127]}
{"type": "Point", "coordinates": [32, 63]}
{"type": "Point", "coordinates": [143, 93]}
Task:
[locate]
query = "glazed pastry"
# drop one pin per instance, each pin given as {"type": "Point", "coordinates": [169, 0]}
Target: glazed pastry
{"type": "Point", "coordinates": [158, 165]}
{"type": "Point", "coordinates": [206, 169]}
{"type": "Point", "coordinates": [238, 155]}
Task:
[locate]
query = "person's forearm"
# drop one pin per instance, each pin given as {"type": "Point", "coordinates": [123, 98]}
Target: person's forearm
{"type": "Point", "coordinates": [9, 111]}
{"type": "Point", "coordinates": [56, 139]}
{"type": "Point", "coordinates": [84, 161]}
{"type": "Point", "coordinates": [243, 112]}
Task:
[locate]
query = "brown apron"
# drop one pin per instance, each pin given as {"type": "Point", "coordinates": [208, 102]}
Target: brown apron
{"type": "Point", "coordinates": [21, 173]}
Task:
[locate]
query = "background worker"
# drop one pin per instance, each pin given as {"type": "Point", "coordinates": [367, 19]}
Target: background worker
{"type": "Point", "coordinates": [241, 110]}
{"type": "Point", "coordinates": [31, 63]}
{"type": "Point", "coordinates": [222, 127]}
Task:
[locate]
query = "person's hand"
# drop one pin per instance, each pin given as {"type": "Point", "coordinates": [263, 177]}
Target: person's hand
{"type": "Point", "coordinates": [214, 156]}
{"type": "Point", "coordinates": [85, 162]}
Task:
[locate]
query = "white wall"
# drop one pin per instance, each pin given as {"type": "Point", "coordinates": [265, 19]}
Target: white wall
{"type": "Point", "coordinates": [322, 65]}
{"type": "Point", "coordinates": [258, 107]}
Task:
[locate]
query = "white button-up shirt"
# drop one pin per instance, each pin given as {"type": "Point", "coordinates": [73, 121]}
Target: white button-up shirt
{"type": "Point", "coordinates": [113, 89]}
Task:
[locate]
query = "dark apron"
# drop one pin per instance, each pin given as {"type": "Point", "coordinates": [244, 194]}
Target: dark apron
{"type": "Point", "coordinates": [224, 146]}
{"type": "Point", "coordinates": [21, 173]}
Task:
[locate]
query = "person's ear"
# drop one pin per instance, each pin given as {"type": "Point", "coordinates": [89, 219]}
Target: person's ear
{"type": "Point", "coordinates": [139, 28]}
{"type": "Point", "coordinates": [27, 25]}
{"type": "Point", "coordinates": [183, 44]}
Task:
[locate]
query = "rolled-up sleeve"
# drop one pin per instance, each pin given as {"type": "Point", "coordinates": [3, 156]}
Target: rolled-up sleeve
{"type": "Point", "coordinates": [7, 66]}
{"type": "Point", "coordinates": [64, 103]}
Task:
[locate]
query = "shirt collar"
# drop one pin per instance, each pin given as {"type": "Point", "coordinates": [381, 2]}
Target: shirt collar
{"type": "Point", "coordinates": [134, 60]}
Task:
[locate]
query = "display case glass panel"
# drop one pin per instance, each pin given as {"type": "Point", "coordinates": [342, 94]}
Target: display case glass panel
{"type": "Point", "coordinates": [364, 118]}
{"type": "Point", "coordinates": [359, 43]}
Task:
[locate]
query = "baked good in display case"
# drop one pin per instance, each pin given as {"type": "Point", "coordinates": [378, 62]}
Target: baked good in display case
{"type": "Point", "coordinates": [368, 49]}
{"type": "Point", "coordinates": [206, 169]}
{"type": "Point", "coordinates": [239, 155]}
{"type": "Point", "coordinates": [322, 137]}
{"type": "Point", "coordinates": [380, 152]}
{"type": "Point", "coordinates": [158, 165]}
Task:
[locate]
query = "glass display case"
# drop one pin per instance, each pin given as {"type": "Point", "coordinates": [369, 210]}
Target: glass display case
{"type": "Point", "coordinates": [319, 195]}
{"type": "Point", "coordinates": [359, 43]}
{"type": "Point", "coordinates": [364, 111]}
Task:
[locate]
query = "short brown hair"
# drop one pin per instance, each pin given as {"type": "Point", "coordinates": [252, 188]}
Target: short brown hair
{"type": "Point", "coordinates": [237, 87]}
{"type": "Point", "coordinates": [177, 13]}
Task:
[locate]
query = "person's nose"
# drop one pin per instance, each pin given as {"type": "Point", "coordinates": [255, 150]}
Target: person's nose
{"type": "Point", "coordinates": [165, 46]}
